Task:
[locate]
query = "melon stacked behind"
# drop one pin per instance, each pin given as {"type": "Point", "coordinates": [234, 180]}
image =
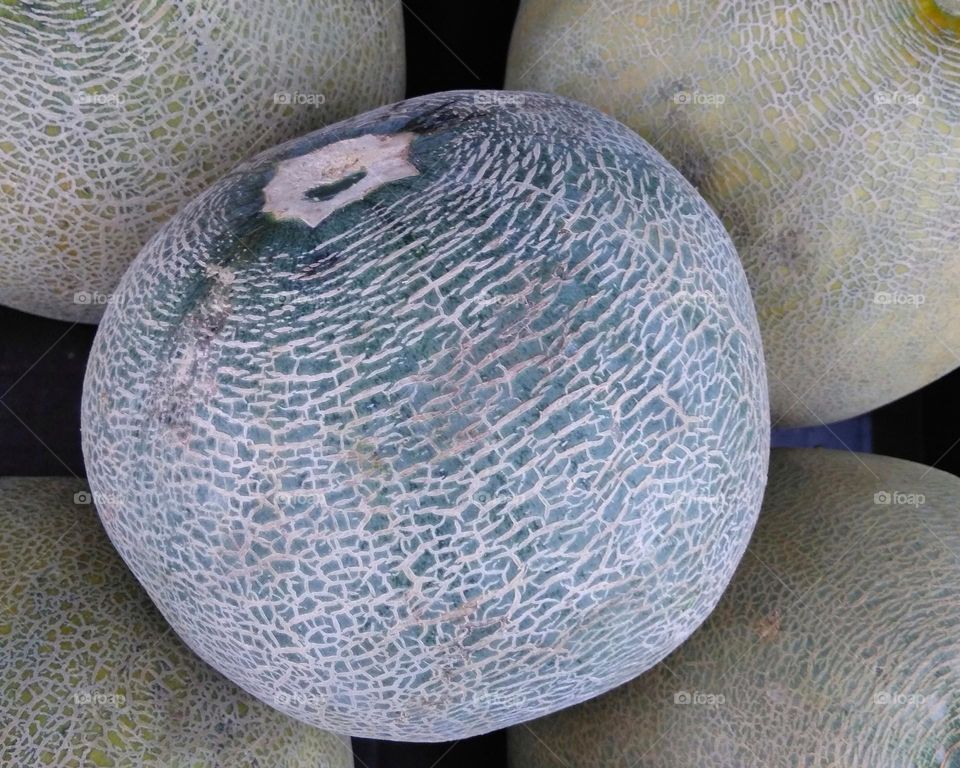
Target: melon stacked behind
{"type": "Point", "coordinates": [827, 137]}
{"type": "Point", "coordinates": [115, 114]}
{"type": "Point", "coordinates": [836, 644]}
{"type": "Point", "coordinates": [91, 674]}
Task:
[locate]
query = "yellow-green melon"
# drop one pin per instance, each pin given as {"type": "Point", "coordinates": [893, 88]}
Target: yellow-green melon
{"type": "Point", "coordinates": [827, 136]}
{"type": "Point", "coordinates": [113, 114]}
{"type": "Point", "coordinates": [91, 675]}
{"type": "Point", "coordinates": [836, 645]}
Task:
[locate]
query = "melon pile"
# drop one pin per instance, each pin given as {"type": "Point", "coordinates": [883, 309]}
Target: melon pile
{"type": "Point", "coordinates": [453, 415]}
{"type": "Point", "coordinates": [827, 137]}
{"type": "Point", "coordinates": [836, 643]}
{"type": "Point", "coordinates": [114, 114]}
{"type": "Point", "coordinates": [92, 675]}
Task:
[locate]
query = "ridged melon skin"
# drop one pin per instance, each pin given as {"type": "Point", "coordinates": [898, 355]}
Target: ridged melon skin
{"type": "Point", "coordinates": [835, 645]}
{"type": "Point", "coordinates": [114, 114]}
{"type": "Point", "coordinates": [481, 445]}
{"type": "Point", "coordinates": [834, 162]}
{"type": "Point", "coordinates": [91, 675]}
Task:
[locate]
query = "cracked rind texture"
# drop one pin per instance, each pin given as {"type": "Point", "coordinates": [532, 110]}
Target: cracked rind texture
{"type": "Point", "coordinates": [833, 160]}
{"type": "Point", "coordinates": [113, 115]}
{"type": "Point", "coordinates": [91, 675]}
{"type": "Point", "coordinates": [835, 645]}
{"type": "Point", "coordinates": [483, 444]}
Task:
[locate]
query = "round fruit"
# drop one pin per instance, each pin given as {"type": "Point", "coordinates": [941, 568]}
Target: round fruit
{"type": "Point", "coordinates": [436, 420]}
{"type": "Point", "coordinates": [827, 136]}
{"type": "Point", "coordinates": [112, 115]}
{"type": "Point", "coordinates": [835, 645]}
{"type": "Point", "coordinates": [90, 673]}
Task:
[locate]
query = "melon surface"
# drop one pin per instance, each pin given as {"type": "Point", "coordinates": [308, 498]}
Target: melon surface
{"type": "Point", "coordinates": [114, 114]}
{"type": "Point", "coordinates": [442, 418]}
{"type": "Point", "coordinates": [91, 675]}
{"type": "Point", "coordinates": [836, 643]}
{"type": "Point", "coordinates": [827, 137]}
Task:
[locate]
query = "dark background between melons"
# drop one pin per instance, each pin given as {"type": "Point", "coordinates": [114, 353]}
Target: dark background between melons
{"type": "Point", "coordinates": [450, 45]}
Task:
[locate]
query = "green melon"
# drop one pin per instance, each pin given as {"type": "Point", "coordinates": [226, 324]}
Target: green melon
{"type": "Point", "coordinates": [437, 420]}
{"type": "Point", "coordinates": [835, 645]}
{"type": "Point", "coordinates": [91, 675]}
{"type": "Point", "coordinates": [827, 137]}
{"type": "Point", "coordinates": [113, 114]}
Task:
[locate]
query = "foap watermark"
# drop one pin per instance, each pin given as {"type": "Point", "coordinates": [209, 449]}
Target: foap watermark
{"type": "Point", "coordinates": [109, 98]}
{"type": "Point", "coordinates": [894, 299]}
{"type": "Point", "coordinates": [92, 298]}
{"type": "Point", "coordinates": [898, 99]}
{"type": "Point", "coordinates": [99, 699]}
{"type": "Point", "coordinates": [300, 701]}
{"type": "Point", "coordinates": [498, 99]}
{"type": "Point", "coordinates": [898, 699]}
{"type": "Point", "coordinates": [698, 99]}
{"type": "Point", "coordinates": [487, 299]}
{"type": "Point", "coordinates": [84, 498]}
{"type": "Point", "coordinates": [297, 498]}
{"type": "Point", "coordinates": [899, 499]}
{"type": "Point", "coordinates": [699, 698]}
{"type": "Point", "coordinates": [492, 496]}
{"type": "Point", "coordinates": [299, 99]}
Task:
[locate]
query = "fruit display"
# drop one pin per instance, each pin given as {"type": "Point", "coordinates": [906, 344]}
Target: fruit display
{"type": "Point", "coordinates": [356, 412]}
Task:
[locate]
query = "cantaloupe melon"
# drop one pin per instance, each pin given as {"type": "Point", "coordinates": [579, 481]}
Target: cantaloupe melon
{"type": "Point", "coordinates": [91, 675]}
{"type": "Point", "coordinates": [437, 420]}
{"type": "Point", "coordinates": [827, 137]}
{"type": "Point", "coordinates": [835, 645]}
{"type": "Point", "coordinates": [113, 114]}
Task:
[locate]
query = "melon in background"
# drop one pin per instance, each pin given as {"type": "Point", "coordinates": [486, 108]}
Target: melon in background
{"type": "Point", "coordinates": [835, 645]}
{"type": "Point", "coordinates": [91, 675]}
{"type": "Point", "coordinates": [113, 114]}
{"type": "Point", "coordinates": [827, 137]}
{"type": "Point", "coordinates": [436, 420]}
